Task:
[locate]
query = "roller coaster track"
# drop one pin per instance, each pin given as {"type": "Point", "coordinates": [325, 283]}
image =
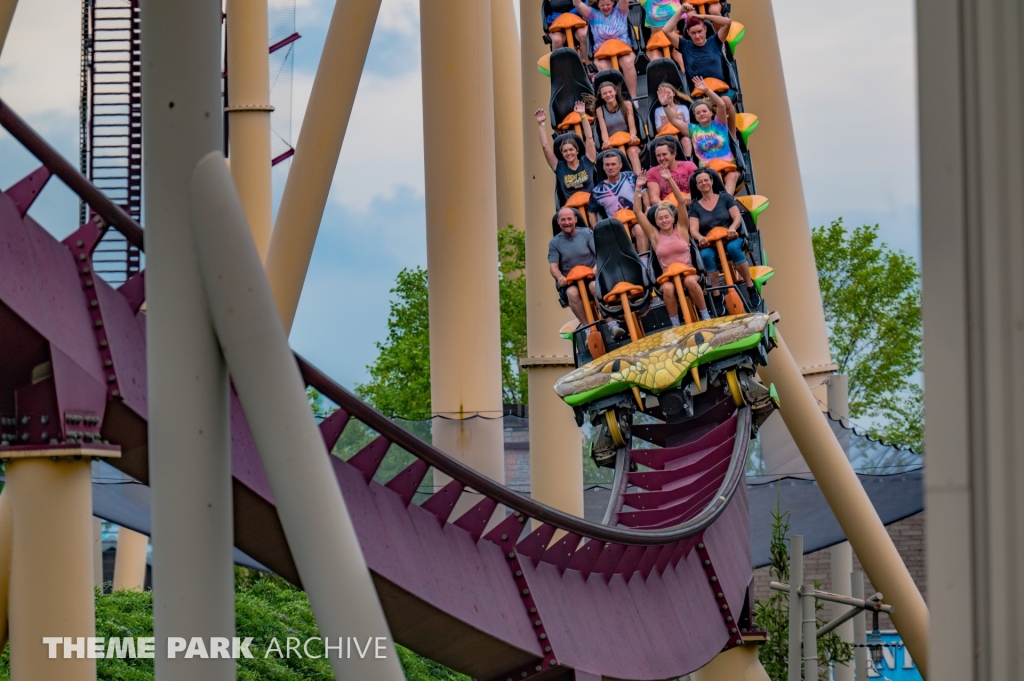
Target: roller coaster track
{"type": "Point", "coordinates": [510, 589]}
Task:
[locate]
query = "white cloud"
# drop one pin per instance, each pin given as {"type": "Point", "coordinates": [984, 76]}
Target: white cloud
{"type": "Point", "coordinates": [383, 149]}
{"type": "Point", "coordinates": [399, 15]}
{"type": "Point", "coordinates": [39, 68]}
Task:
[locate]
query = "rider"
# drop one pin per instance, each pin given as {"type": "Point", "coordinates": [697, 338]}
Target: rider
{"type": "Point", "coordinates": [615, 193]}
{"type": "Point", "coordinates": [671, 243]}
{"type": "Point", "coordinates": [572, 246]}
{"type": "Point", "coordinates": [710, 133]}
{"type": "Point", "coordinates": [656, 15]}
{"type": "Point", "coordinates": [575, 170]}
{"type": "Point", "coordinates": [702, 53]}
{"type": "Point", "coordinates": [610, 21]}
{"type": "Point", "coordinates": [669, 95]}
{"type": "Point", "coordinates": [559, 7]}
{"type": "Point", "coordinates": [709, 210]}
{"type": "Point", "coordinates": [658, 186]}
{"type": "Point", "coordinates": [615, 114]}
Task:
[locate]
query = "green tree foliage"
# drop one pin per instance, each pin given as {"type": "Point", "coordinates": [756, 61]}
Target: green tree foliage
{"type": "Point", "coordinates": [872, 300]}
{"type": "Point", "coordinates": [266, 607]}
{"type": "Point", "coordinates": [512, 294]}
{"type": "Point", "coordinates": [399, 382]}
{"type": "Point", "coordinates": [772, 615]}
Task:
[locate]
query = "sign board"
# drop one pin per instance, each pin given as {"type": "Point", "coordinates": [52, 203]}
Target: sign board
{"type": "Point", "coordinates": [896, 664]}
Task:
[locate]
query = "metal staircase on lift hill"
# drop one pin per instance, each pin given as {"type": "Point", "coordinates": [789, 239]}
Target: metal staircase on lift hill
{"type": "Point", "coordinates": [112, 136]}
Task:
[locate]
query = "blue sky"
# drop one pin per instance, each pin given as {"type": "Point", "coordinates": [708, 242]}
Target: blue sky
{"type": "Point", "coordinates": [852, 87]}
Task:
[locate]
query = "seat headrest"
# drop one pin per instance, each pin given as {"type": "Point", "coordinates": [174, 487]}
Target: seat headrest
{"type": "Point", "coordinates": [671, 139]}
{"type": "Point", "coordinates": [610, 76]}
{"type": "Point", "coordinates": [717, 186]}
{"type": "Point", "coordinates": [617, 260]}
{"type": "Point", "coordinates": [580, 222]}
{"type": "Point", "coordinates": [601, 176]}
{"type": "Point", "coordinates": [561, 139]}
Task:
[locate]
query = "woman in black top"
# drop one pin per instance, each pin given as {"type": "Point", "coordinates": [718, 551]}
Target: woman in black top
{"type": "Point", "coordinates": [574, 164]}
{"type": "Point", "coordinates": [718, 209]}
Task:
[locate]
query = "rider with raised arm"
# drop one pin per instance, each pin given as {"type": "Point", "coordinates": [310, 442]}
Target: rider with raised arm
{"type": "Point", "coordinates": [702, 53]}
{"type": "Point", "coordinates": [609, 20]}
{"type": "Point", "coordinates": [670, 239]}
{"type": "Point", "coordinates": [615, 114]}
{"type": "Point", "coordinates": [558, 8]}
{"type": "Point", "coordinates": [670, 96]}
{"type": "Point", "coordinates": [656, 15]}
{"type": "Point", "coordinates": [709, 132]}
{"type": "Point", "coordinates": [709, 210]}
{"type": "Point", "coordinates": [572, 246]}
{"type": "Point", "coordinates": [575, 170]}
{"type": "Point", "coordinates": [658, 186]}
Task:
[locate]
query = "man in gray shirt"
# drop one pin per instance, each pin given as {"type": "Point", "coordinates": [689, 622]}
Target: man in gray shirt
{"type": "Point", "coordinates": [572, 246]}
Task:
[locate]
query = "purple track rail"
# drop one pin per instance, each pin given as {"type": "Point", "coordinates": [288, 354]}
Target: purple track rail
{"type": "Point", "coordinates": [632, 602]}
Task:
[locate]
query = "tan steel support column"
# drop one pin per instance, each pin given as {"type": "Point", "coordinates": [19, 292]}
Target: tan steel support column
{"type": "Point", "coordinates": [51, 590]}
{"type": "Point", "coordinates": [7, 8]}
{"type": "Point", "coordinates": [462, 253]}
{"type": "Point", "coordinates": [6, 538]}
{"type": "Point", "coordinates": [786, 233]}
{"type": "Point", "coordinates": [508, 103]}
{"type": "Point", "coordinates": [130, 561]}
{"type": "Point", "coordinates": [850, 503]}
{"type": "Point", "coordinates": [189, 429]}
{"type": "Point", "coordinates": [249, 113]}
{"type": "Point", "coordinates": [972, 169]}
{"type": "Point", "coordinates": [316, 152]}
{"type": "Point", "coordinates": [316, 523]}
{"type": "Point", "coordinates": [556, 467]}
{"type": "Point", "coordinates": [735, 664]}
{"type": "Point", "coordinates": [841, 555]}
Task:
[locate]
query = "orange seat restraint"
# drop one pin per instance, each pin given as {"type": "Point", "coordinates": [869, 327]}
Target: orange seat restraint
{"type": "Point", "coordinates": [718, 234]}
{"type": "Point", "coordinates": [623, 287]}
{"type": "Point", "coordinates": [659, 41]}
{"type": "Point", "coordinates": [573, 120]}
{"type": "Point", "coordinates": [671, 198]}
{"type": "Point", "coordinates": [621, 139]}
{"type": "Point", "coordinates": [567, 22]}
{"type": "Point", "coordinates": [626, 217]}
{"type": "Point", "coordinates": [713, 83]}
{"type": "Point", "coordinates": [612, 48]}
{"type": "Point", "coordinates": [578, 200]}
{"type": "Point", "coordinates": [580, 272]}
{"type": "Point", "coordinates": [676, 269]}
{"type": "Point", "coordinates": [667, 129]}
{"type": "Point", "coordinates": [722, 166]}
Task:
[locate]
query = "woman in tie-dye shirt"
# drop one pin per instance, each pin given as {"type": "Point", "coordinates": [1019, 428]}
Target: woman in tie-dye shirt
{"type": "Point", "coordinates": [709, 132]}
{"type": "Point", "coordinates": [609, 20]}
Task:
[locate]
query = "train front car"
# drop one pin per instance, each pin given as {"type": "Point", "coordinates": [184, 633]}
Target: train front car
{"type": "Point", "coordinates": [690, 377]}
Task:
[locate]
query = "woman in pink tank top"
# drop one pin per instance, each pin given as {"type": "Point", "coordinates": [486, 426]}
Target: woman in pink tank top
{"type": "Point", "coordinates": [671, 244]}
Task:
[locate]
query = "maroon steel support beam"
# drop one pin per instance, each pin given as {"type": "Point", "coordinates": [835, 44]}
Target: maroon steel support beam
{"type": "Point", "coordinates": [113, 214]}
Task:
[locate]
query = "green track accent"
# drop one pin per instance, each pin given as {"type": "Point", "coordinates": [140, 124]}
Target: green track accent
{"type": "Point", "coordinates": [760, 281]}
{"type": "Point", "coordinates": [745, 134]}
{"type": "Point", "coordinates": [736, 41]}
